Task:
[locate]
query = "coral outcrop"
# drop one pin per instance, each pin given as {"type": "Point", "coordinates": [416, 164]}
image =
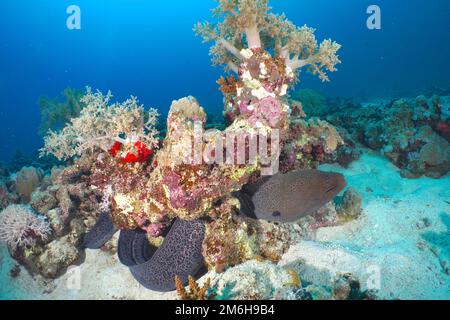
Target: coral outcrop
{"type": "Point", "coordinates": [121, 165]}
{"type": "Point", "coordinates": [410, 132]}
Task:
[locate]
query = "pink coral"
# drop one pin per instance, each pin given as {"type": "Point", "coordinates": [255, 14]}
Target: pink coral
{"type": "Point", "coordinates": [271, 109]}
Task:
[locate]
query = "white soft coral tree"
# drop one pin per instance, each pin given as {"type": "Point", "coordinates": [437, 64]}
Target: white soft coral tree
{"type": "Point", "coordinates": [100, 125]}
{"type": "Point", "coordinates": [248, 24]}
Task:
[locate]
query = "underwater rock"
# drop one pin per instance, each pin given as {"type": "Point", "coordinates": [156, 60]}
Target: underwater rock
{"type": "Point", "coordinates": [6, 197]}
{"type": "Point", "coordinates": [54, 217]}
{"type": "Point", "coordinates": [346, 287]}
{"type": "Point", "coordinates": [26, 181]}
{"type": "Point", "coordinates": [350, 205]}
{"type": "Point", "coordinates": [43, 201]}
{"type": "Point", "coordinates": [65, 204]}
{"type": "Point", "coordinates": [434, 157]}
{"type": "Point", "coordinates": [3, 171]}
{"type": "Point", "coordinates": [57, 256]}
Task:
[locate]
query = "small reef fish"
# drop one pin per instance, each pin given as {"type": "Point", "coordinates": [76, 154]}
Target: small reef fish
{"type": "Point", "coordinates": [288, 197]}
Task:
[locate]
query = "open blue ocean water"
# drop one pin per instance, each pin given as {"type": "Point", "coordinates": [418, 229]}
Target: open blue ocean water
{"type": "Point", "coordinates": [147, 49]}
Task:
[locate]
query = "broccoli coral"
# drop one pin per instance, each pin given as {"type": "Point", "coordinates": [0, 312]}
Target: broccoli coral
{"type": "Point", "coordinates": [100, 125]}
{"type": "Point", "coordinates": [21, 228]}
{"type": "Point", "coordinates": [248, 24]}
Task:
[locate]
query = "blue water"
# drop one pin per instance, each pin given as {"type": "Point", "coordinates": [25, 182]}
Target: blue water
{"type": "Point", "coordinates": [147, 48]}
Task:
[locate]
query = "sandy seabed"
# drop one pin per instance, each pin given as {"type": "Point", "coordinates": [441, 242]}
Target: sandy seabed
{"type": "Point", "coordinates": [400, 246]}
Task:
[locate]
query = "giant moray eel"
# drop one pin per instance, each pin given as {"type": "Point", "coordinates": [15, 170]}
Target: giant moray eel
{"type": "Point", "coordinates": [282, 197]}
{"type": "Point", "coordinates": [179, 255]}
{"type": "Point", "coordinates": [288, 197]}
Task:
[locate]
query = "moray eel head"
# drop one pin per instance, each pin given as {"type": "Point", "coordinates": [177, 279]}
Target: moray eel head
{"type": "Point", "coordinates": [288, 197]}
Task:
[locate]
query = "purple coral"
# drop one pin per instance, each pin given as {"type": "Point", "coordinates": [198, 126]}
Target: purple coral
{"type": "Point", "coordinates": [271, 109]}
{"type": "Point", "coordinates": [21, 228]}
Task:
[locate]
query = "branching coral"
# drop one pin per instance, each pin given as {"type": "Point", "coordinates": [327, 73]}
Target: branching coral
{"type": "Point", "coordinates": [100, 125]}
{"type": "Point", "coordinates": [195, 292]}
{"type": "Point", "coordinates": [21, 228]}
{"type": "Point", "coordinates": [248, 24]}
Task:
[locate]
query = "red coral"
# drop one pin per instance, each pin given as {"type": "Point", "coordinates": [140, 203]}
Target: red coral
{"type": "Point", "coordinates": [115, 149]}
{"type": "Point", "coordinates": [140, 155]}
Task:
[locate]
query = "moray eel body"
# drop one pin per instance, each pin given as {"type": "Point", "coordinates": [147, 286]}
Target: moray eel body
{"type": "Point", "coordinates": [288, 197]}
{"type": "Point", "coordinates": [179, 255]}
{"type": "Point", "coordinates": [134, 248]}
{"type": "Point", "coordinates": [101, 233]}
{"type": "Point", "coordinates": [155, 268]}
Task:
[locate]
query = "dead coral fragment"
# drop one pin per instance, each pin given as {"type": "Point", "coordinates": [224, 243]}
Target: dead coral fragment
{"type": "Point", "coordinates": [101, 124]}
{"type": "Point", "coordinates": [194, 292]}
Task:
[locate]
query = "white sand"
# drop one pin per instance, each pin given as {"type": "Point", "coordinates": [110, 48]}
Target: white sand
{"type": "Point", "coordinates": [101, 276]}
{"type": "Point", "coordinates": [385, 248]}
{"type": "Point", "coordinates": [384, 241]}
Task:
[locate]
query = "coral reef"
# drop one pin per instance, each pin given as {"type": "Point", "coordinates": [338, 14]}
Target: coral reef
{"type": "Point", "coordinates": [247, 25]}
{"type": "Point", "coordinates": [179, 193]}
{"type": "Point", "coordinates": [410, 132]}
